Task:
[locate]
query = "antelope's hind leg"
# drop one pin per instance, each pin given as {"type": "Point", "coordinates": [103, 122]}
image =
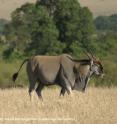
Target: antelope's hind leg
{"type": "Point", "coordinates": [39, 89]}
{"type": "Point", "coordinates": [31, 86]}
{"type": "Point", "coordinates": [62, 92]}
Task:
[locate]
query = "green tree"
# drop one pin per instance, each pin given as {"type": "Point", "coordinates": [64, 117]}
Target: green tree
{"type": "Point", "coordinates": [18, 31]}
{"type": "Point", "coordinates": [86, 28]}
{"type": "Point", "coordinates": [35, 30]}
{"type": "Point", "coordinates": [67, 19]}
{"type": "Point", "coordinates": [50, 4]}
{"type": "Point", "coordinates": [32, 31]}
{"type": "Point", "coordinates": [106, 23]}
{"type": "Point", "coordinates": [75, 23]}
{"type": "Point", "coordinates": [101, 22]}
{"type": "Point", "coordinates": [45, 36]}
{"type": "Point", "coordinates": [3, 22]}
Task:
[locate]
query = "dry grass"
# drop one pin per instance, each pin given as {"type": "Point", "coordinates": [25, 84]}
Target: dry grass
{"type": "Point", "coordinates": [98, 7]}
{"type": "Point", "coordinates": [97, 106]}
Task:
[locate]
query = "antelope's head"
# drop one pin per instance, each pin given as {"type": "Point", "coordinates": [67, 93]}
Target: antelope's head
{"type": "Point", "coordinates": [96, 65]}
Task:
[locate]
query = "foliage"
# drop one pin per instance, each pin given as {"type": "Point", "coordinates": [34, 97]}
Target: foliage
{"type": "Point", "coordinates": [35, 30]}
{"type": "Point", "coordinates": [75, 23]}
{"type": "Point", "coordinates": [3, 22]}
{"type": "Point", "coordinates": [44, 37]}
{"type": "Point", "coordinates": [7, 70]}
{"type": "Point", "coordinates": [18, 31]}
{"type": "Point", "coordinates": [106, 23]}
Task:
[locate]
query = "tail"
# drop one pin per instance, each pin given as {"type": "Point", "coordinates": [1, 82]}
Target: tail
{"type": "Point", "coordinates": [15, 75]}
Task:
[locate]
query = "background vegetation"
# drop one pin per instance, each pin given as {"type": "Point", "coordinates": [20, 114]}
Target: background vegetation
{"type": "Point", "coordinates": [56, 27]}
{"type": "Point", "coordinates": [106, 23]}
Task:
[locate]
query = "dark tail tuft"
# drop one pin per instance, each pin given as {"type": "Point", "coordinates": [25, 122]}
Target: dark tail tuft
{"type": "Point", "coordinates": [14, 77]}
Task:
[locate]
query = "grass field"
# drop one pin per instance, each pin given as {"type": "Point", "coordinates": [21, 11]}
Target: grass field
{"type": "Point", "coordinates": [96, 106]}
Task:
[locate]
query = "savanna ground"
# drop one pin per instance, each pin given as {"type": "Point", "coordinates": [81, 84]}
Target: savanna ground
{"type": "Point", "coordinates": [95, 106]}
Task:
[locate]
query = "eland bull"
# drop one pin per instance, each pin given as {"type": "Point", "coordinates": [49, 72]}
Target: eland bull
{"type": "Point", "coordinates": [63, 70]}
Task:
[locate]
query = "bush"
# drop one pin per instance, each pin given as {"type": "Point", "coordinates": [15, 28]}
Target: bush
{"type": "Point", "coordinates": [106, 23]}
{"type": "Point", "coordinates": [7, 70]}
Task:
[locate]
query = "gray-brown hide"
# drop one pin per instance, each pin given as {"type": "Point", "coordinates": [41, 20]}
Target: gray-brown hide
{"type": "Point", "coordinates": [49, 70]}
{"type": "Point", "coordinates": [46, 70]}
{"type": "Point", "coordinates": [83, 71]}
{"type": "Point", "coordinates": [62, 70]}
